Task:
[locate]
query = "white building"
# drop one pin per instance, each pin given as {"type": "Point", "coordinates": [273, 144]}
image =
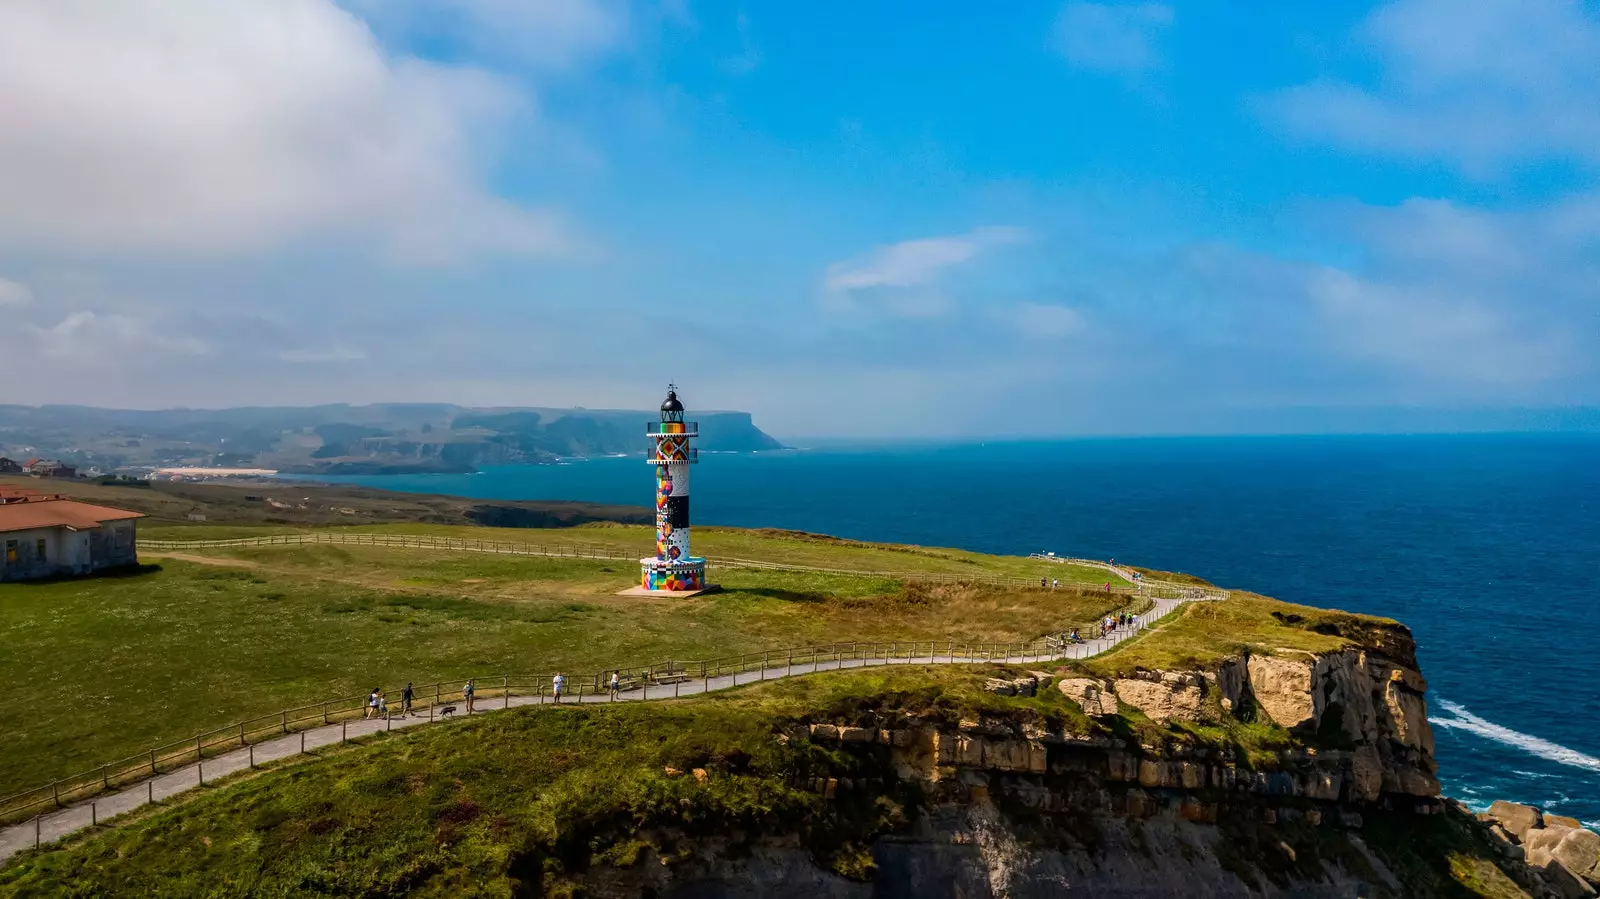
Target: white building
{"type": "Point", "coordinates": [45, 535]}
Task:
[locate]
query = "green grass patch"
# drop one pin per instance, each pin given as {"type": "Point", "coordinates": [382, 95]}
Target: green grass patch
{"type": "Point", "coordinates": [1203, 634]}
{"type": "Point", "coordinates": [519, 800]}
{"type": "Point", "coordinates": [119, 665]}
{"type": "Point", "coordinates": [785, 547]}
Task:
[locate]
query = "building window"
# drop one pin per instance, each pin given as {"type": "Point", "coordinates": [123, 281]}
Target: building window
{"type": "Point", "coordinates": [11, 552]}
{"type": "Point", "coordinates": [41, 549]}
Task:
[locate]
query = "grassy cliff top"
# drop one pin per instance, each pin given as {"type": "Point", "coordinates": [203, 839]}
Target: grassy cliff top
{"type": "Point", "coordinates": [527, 801]}
{"type": "Point", "coordinates": [203, 638]}
{"type": "Point", "coordinates": [1204, 634]}
{"type": "Point", "coordinates": [474, 806]}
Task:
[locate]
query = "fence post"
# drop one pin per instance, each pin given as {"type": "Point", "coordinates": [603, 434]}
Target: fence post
{"type": "Point", "coordinates": [150, 786]}
{"type": "Point", "coordinates": [252, 755]}
{"type": "Point", "coordinates": [285, 721]}
{"type": "Point", "coordinates": [343, 729]}
{"type": "Point", "coordinates": [55, 792]}
{"type": "Point", "coordinates": [152, 763]}
{"type": "Point", "coordinates": [198, 754]}
{"type": "Point", "coordinates": [505, 691]}
{"type": "Point", "coordinates": [105, 776]}
{"type": "Point", "coordinates": [94, 814]}
{"type": "Point", "coordinates": [324, 713]}
{"type": "Point", "coordinates": [36, 819]}
{"type": "Point", "coordinates": [241, 734]}
{"type": "Point", "coordinates": [302, 742]}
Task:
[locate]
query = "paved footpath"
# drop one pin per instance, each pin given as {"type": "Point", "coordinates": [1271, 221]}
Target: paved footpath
{"type": "Point", "coordinates": [51, 827]}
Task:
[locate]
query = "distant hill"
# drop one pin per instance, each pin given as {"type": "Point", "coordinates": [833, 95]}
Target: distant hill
{"type": "Point", "coordinates": [372, 439]}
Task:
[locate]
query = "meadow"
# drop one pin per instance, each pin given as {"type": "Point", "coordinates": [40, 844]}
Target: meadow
{"type": "Point", "coordinates": [108, 667]}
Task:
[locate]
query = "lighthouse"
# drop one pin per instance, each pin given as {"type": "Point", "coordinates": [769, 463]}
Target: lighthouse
{"type": "Point", "coordinates": [672, 451]}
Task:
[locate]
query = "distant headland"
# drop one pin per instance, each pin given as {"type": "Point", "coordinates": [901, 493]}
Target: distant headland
{"type": "Point", "coordinates": [381, 438]}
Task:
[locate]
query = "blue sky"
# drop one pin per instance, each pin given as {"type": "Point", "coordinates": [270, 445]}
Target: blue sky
{"type": "Point", "coordinates": [883, 220]}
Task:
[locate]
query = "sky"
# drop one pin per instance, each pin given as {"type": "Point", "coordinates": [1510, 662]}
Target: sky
{"type": "Point", "coordinates": [850, 219]}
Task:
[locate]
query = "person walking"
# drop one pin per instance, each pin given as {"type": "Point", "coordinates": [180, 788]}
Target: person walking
{"type": "Point", "coordinates": [1054, 583]}
{"type": "Point", "coordinates": [406, 697]}
{"type": "Point", "coordinates": [469, 690]}
{"type": "Point", "coordinates": [616, 684]}
{"type": "Point", "coordinates": [556, 683]}
{"type": "Point", "coordinates": [372, 704]}
{"type": "Point", "coordinates": [383, 705]}
{"type": "Point", "coordinates": [1042, 583]}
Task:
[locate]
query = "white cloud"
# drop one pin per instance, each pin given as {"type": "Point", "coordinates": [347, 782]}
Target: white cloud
{"type": "Point", "coordinates": [913, 263]}
{"type": "Point", "coordinates": [216, 126]}
{"type": "Point", "coordinates": [109, 340]}
{"type": "Point", "coordinates": [1044, 321]}
{"type": "Point", "coordinates": [1478, 84]}
{"type": "Point", "coordinates": [14, 293]}
{"type": "Point", "coordinates": [552, 33]}
{"type": "Point", "coordinates": [1115, 38]}
{"type": "Point", "coordinates": [322, 355]}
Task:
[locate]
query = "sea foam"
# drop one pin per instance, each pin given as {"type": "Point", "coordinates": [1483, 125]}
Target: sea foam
{"type": "Point", "coordinates": [1555, 752]}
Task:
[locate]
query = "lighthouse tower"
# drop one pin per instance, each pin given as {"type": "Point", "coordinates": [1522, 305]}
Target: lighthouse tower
{"type": "Point", "coordinates": [671, 453]}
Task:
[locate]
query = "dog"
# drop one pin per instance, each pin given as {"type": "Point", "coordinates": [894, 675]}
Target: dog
{"type": "Point", "coordinates": [447, 711]}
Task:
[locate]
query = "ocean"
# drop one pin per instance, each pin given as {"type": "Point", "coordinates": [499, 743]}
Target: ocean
{"type": "Point", "coordinates": [1487, 546]}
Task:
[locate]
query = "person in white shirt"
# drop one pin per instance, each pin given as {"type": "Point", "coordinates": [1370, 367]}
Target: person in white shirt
{"type": "Point", "coordinates": [556, 684]}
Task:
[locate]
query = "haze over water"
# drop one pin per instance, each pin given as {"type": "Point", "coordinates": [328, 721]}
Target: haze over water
{"type": "Point", "coordinates": [1486, 546]}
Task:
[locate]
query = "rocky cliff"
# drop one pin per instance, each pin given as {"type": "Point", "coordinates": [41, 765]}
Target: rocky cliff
{"type": "Point", "coordinates": [1164, 794]}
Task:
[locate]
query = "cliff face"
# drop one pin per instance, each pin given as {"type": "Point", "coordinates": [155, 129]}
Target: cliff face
{"type": "Point", "coordinates": [1371, 706]}
{"type": "Point", "coordinates": [1005, 808]}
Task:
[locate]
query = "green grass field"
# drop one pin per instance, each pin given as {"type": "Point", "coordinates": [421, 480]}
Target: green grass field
{"type": "Point", "coordinates": [786, 547]}
{"type": "Point", "coordinates": [109, 667]}
{"type": "Point", "coordinates": [530, 801]}
{"type": "Point", "coordinates": [471, 807]}
{"type": "Point", "coordinates": [1203, 634]}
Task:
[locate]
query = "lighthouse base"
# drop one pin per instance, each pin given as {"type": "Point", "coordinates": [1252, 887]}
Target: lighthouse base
{"type": "Point", "coordinates": [680, 576]}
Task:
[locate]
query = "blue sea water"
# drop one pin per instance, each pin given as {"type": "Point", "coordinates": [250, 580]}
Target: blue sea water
{"type": "Point", "coordinates": [1487, 546]}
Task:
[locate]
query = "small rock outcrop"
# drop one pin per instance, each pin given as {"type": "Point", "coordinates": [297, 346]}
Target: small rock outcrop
{"type": "Point", "coordinates": [1516, 819]}
{"type": "Point", "coordinates": [1091, 695]}
{"type": "Point", "coordinates": [1164, 696]}
{"type": "Point", "coordinates": [1021, 686]}
{"type": "Point", "coordinates": [1564, 854]}
{"type": "Point", "coordinates": [1282, 689]}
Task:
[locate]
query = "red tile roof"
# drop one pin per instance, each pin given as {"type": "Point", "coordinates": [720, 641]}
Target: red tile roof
{"type": "Point", "coordinates": [52, 513]}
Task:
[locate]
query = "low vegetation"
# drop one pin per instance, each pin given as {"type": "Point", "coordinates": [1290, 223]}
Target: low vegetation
{"type": "Point", "coordinates": [1203, 634]}
{"type": "Point", "coordinates": [784, 547]}
{"type": "Point", "coordinates": [289, 504]}
{"type": "Point", "coordinates": [201, 639]}
{"type": "Point", "coordinates": [533, 801]}
{"type": "Point", "coordinates": [516, 800]}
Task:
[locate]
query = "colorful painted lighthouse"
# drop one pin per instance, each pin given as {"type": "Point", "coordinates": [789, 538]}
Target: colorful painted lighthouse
{"type": "Point", "coordinates": [671, 453]}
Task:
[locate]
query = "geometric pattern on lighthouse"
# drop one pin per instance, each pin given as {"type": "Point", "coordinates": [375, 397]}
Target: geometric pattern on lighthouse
{"type": "Point", "coordinates": [673, 568]}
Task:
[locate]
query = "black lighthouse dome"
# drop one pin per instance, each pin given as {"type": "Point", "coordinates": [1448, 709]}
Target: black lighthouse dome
{"type": "Point", "coordinates": [671, 409]}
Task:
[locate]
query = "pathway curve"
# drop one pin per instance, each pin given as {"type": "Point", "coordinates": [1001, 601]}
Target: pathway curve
{"type": "Point", "coordinates": [51, 827]}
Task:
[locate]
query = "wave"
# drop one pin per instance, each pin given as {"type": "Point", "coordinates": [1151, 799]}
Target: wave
{"type": "Point", "coordinates": [1555, 752]}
